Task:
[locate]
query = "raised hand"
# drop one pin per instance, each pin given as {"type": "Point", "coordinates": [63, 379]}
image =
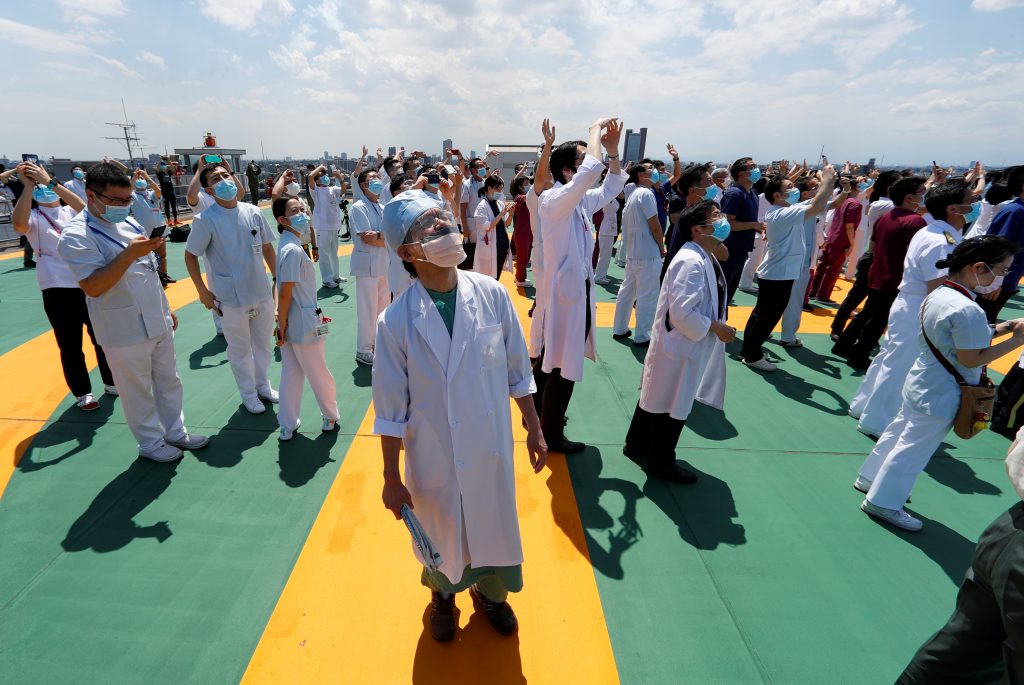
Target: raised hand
{"type": "Point", "coordinates": [610, 138]}
{"type": "Point", "coordinates": [548, 131]}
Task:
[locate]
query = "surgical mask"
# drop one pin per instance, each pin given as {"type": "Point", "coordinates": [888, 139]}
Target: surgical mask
{"type": "Point", "coordinates": [990, 288]}
{"type": "Point", "coordinates": [711, 192]}
{"type": "Point", "coordinates": [375, 186]}
{"type": "Point", "coordinates": [292, 188]}
{"type": "Point", "coordinates": [44, 195]}
{"type": "Point", "coordinates": [755, 174]}
{"type": "Point", "coordinates": [973, 215]}
{"type": "Point", "coordinates": [141, 184]}
{"type": "Point", "coordinates": [78, 173]}
{"type": "Point", "coordinates": [481, 172]}
{"type": "Point", "coordinates": [721, 229]}
{"type": "Point", "coordinates": [655, 177]}
{"type": "Point", "coordinates": [794, 196]}
{"type": "Point", "coordinates": [162, 167]}
{"type": "Point", "coordinates": [299, 222]}
{"type": "Point", "coordinates": [116, 215]}
{"type": "Point", "coordinates": [863, 186]}
{"type": "Point", "coordinates": [225, 189]}
{"type": "Point", "coordinates": [445, 250]}
{"type": "Point", "coordinates": [324, 180]}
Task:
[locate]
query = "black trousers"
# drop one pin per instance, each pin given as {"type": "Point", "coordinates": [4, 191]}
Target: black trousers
{"type": "Point", "coordinates": [732, 269]}
{"type": "Point", "coordinates": [654, 436]}
{"type": "Point", "coordinates": [866, 329]}
{"type": "Point", "coordinates": [27, 252]}
{"type": "Point", "coordinates": [170, 202]}
{"type": "Point", "coordinates": [470, 250]}
{"type": "Point", "coordinates": [66, 310]}
{"type": "Point", "coordinates": [501, 247]}
{"type": "Point", "coordinates": [772, 299]}
{"type": "Point", "coordinates": [983, 641]}
{"type": "Point", "coordinates": [1008, 413]}
{"type": "Point", "coordinates": [554, 391]}
{"type": "Point", "coordinates": [993, 307]}
{"type": "Point", "coordinates": [857, 293]}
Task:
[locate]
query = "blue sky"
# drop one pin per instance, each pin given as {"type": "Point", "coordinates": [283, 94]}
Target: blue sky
{"type": "Point", "coordinates": [908, 80]}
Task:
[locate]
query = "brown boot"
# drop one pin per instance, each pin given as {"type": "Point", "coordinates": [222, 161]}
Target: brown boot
{"type": "Point", "coordinates": [500, 614]}
{"type": "Point", "coordinates": [443, 617]}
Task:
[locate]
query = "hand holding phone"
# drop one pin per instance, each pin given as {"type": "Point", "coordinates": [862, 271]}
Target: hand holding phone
{"type": "Point", "coordinates": [212, 159]}
{"type": "Point", "coordinates": [157, 232]}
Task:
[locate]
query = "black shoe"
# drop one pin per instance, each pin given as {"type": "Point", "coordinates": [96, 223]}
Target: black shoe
{"type": "Point", "coordinates": [645, 343]}
{"type": "Point", "coordinates": [834, 337]}
{"type": "Point", "coordinates": [674, 473]}
{"type": "Point", "coordinates": [500, 614]}
{"type": "Point", "coordinates": [565, 446]}
{"type": "Point", "coordinates": [622, 336]}
{"type": "Point", "coordinates": [443, 617]}
{"type": "Point", "coordinates": [30, 264]}
{"type": "Point", "coordinates": [808, 308]}
{"type": "Point", "coordinates": [166, 280]}
{"type": "Point", "coordinates": [858, 364]}
{"type": "Point", "coordinates": [346, 236]}
{"type": "Point", "coordinates": [841, 351]}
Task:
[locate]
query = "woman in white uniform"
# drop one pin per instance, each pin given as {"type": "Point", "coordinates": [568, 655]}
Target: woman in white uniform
{"type": "Point", "coordinates": [301, 327]}
{"type": "Point", "coordinates": [450, 353]}
{"type": "Point", "coordinates": [688, 324]}
{"type": "Point", "coordinates": [369, 262]}
{"type": "Point", "coordinates": [490, 228]}
{"type": "Point", "coordinates": [956, 326]}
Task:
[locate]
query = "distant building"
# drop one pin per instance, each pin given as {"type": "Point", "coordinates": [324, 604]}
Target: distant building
{"type": "Point", "coordinates": [446, 144]}
{"type": "Point", "coordinates": [154, 157]}
{"type": "Point", "coordinates": [472, 154]}
{"type": "Point", "coordinates": [327, 155]}
{"type": "Point", "coordinates": [511, 155]}
{"type": "Point", "coordinates": [287, 159]}
{"type": "Point", "coordinates": [344, 156]}
{"type": "Point", "coordinates": [392, 151]}
{"type": "Point", "coordinates": [636, 145]}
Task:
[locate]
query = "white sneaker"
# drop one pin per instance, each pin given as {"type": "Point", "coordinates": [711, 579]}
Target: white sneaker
{"type": "Point", "coordinates": [288, 434]}
{"type": "Point", "coordinates": [110, 390]}
{"type": "Point", "coordinates": [340, 279]}
{"type": "Point", "coordinates": [762, 364]}
{"type": "Point", "coordinates": [329, 425]}
{"type": "Point", "coordinates": [602, 281]}
{"type": "Point", "coordinates": [365, 358]}
{"type": "Point", "coordinates": [254, 406]}
{"type": "Point", "coordinates": [332, 284]}
{"type": "Point", "coordinates": [874, 435]}
{"type": "Point", "coordinates": [189, 442]}
{"type": "Point", "coordinates": [163, 453]}
{"type": "Point", "coordinates": [271, 396]}
{"type": "Point", "coordinates": [896, 517]}
{"type": "Point", "coordinates": [87, 402]}
{"type": "Point", "coordinates": [524, 284]}
{"type": "Point", "coordinates": [862, 484]}
{"type": "Point", "coordinates": [791, 344]}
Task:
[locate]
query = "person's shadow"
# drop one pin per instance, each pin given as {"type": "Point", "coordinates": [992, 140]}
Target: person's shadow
{"type": "Point", "coordinates": [958, 476]}
{"type": "Point", "coordinates": [815, 362]}
{"type": "Point", "coordinates": [301, 457]}
{"type": "Point", "coordinates": [478, 654]}
{"type": "Point", "coordinates": [211, 348]}
{"type": "Point", "coordinates": [242, 432]}
{"type": "Point", "coordinates": [798, 389]}
{"type": "Point", "coordinates": [72, 426]}
{"type": "Point", "coordinates": [704, 512]}
{"type": "Point", "coordinates": [362, 375]}
{"type": "Point", "coordinates": [943, 545]}
{"type": "Point", "coordinates": [109, 522]}
{"type": "Point", "coordinates": [587, 486]}
{"type": "Point", "coordinates": [710, 423]}
{"type": "Point", "coordinates": [335, 295]}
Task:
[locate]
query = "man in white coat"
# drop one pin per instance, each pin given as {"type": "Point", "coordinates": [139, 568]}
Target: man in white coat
{"type": "Point", "coordinates": [450, 353]}
{"type": "Point", "coordinates": [236, 240]}
{"type": "Point", "coordinates": [542, 182]}
{"type": "Point", "coordinates": [606, 233]}
{"type": "Point", "coordinates": [369, 262]}
{"type": "Point", "coordinates": [568, 272]}
{"type": "Point", "coordinates": [689, 323]}
{"type": "Point", "coordinates": [327, 221]}
{"type": "Point", "coordinates": [113, 260]}
{"type": "Point", "coordinates": [879, 396]}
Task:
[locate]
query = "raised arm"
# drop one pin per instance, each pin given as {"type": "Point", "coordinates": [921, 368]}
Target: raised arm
{"type": "Point", "coordinates": [677, 168]}
{"type": "Point", "coordinates": [544, 163]}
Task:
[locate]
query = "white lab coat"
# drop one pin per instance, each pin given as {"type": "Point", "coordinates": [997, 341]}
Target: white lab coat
{"type": "Point", "coordinates": [485, 260]}
{"type": "Point", "coordinates": [674, 369]}
{"type": "Point", "coordinates": [448, 399]}
{"type": "Point", "coordinates": [568, 249]}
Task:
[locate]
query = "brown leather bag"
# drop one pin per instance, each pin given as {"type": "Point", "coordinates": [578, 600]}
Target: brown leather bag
{"type": "Point", "coordinates": [976, 401]}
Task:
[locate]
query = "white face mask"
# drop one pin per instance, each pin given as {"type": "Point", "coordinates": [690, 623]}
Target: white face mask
{"type": "Point", "coordinates": [996, 283]}
{"type": "Point", "coordinates": [292, 188]}
{"type": "Point", "coordinates": [445, 250]}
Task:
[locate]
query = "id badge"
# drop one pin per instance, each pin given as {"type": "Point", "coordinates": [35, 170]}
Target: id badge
{"type": "Point", "coordinates": [253, 313]}
{"type": "Point", "coordinates": [321, 330]}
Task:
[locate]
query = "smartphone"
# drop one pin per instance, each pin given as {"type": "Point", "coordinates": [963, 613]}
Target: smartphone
{"type": "Point", "coordinates": [456, 152]}
{"type": "Point", "coordinates": [824, 160]}
{"type": "Point", "coordinates": [433, 178]}
{"type": "Point", "coordinates": [450, 169]}
{"type": "Point", "coordinates": [31, 159]}
{"type": "Point", "coordinates": [212, 159]}
{"type": "Point", "coordinates": [142, 165]}
{"type": "Point", "coordinates": [157, 232]}
{"type": "Point", "coordinates": [935, 164]}
{"type": "Point", "coordinates": [333, 169]}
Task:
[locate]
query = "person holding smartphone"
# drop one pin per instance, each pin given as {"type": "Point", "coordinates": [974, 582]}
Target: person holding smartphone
{"type": "Point", "coordinates": [146, 210]}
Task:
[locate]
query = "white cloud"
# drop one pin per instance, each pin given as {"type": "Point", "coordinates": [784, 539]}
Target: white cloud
{"type": "Point", "coordinates": [995, 5]}
{"type": "Point", "coordinates": [989, 53]}
{"type": "Point", "coordinates": [118, 66]}
{"type": "Point", "coordinates": [37, 39]}
{"type": "Point", "coordinates": [107, 8]}
{"type": "Point", "coordinates": [930, 105]}
{"type": "Point", "coordinates": [149, 58]}
{"type": "Point", "coordinates": [244, 15]}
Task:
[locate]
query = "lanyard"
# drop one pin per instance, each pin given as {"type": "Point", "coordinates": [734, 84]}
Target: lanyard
{"type": "Point", "coordinates": [144, 197]}
{"type": "Point", "coordinates": [124, 246]}
{"type": "Point", "coordinates": [50, 221]}
{"type": "Point", "coordinates": [957, 287]}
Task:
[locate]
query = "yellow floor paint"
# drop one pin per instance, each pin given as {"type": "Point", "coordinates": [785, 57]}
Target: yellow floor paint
{"type": "Point", "coordinates": [353, 609]}
{"type": "Point", "coordinates": [36, 364]}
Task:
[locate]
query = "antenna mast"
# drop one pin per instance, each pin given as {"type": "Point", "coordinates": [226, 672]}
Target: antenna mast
{"type": "Point", "coordinates": [130, 132]}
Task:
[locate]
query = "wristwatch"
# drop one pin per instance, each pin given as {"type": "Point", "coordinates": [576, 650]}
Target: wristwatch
{"type": "Point", "coordinates": [51, 184]}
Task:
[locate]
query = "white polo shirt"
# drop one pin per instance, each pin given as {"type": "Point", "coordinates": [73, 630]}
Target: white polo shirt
{"type": "Point", "coordinates": [367, 260]}
{"type": "Point", "coordinates": [326, 212]}
{"type": "Point", "coordinates": [641, 206]}
{"type": "Point", "coordinates": [146, 210]}
{"type": "Point", "coordinates": [232, 240]}
{"type": "Point", "coordinates": [784, 256]}
{"type": "Point", "coordinates": [45, 225]}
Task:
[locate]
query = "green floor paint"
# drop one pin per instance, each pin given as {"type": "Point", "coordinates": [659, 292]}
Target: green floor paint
{"type": "Point", "coordinates": [21, 305]}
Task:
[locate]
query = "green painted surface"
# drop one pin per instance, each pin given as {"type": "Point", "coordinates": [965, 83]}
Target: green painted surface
{"type": "Point", "coordinates": [21, 305]}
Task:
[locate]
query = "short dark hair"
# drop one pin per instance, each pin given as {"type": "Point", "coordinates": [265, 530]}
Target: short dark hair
{"type": "Point", "coordinates": [78, 165]}
{"type": "Point", "coordinates": [803, 183]}
{"type": "Point", "coordinates": [941, 198]}
{"type": "Point", "coordinates": [693, 216]}
{"type": "Point", "coordinates": [634, 172]}
{"type": "Point", "coordinates": [361, 178]}
{"type": "Point", "coordinates": [689, 178]}
{"type": "Point", "coordinates": [905, 186]}
{"type": "Point", "coordinates": [473, 161]}
{"type": "Point", "coordinates": [101, 176]}
{"type": "Point", "coordinates": [564, 157]}
{"type": "Point", "coordinates": [310, 167]}
{"type": "Point", "coordinates": [491, 182]}
{"type": "Point", "coordinates": [278, 208]}
{"type": "Point", "coordinates": [773, 187]}
{"type": "Point", "coordinates": [204, 175]}
{"type": "Point", "coordinates": [739, 166]}
{"type": "Point", "coordinates": [998, 194]}
{"type": "Point", "coordinates": [988, 249]}
{"type": "Point", "coordinates": [517, 185]}
{"type": "Point", "coordinates": [1015, 180]}
{"type": "Point", "coordinates": [396, 183]}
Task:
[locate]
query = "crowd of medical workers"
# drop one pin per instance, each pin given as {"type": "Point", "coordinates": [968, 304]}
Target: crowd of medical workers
{"type": "Point", "coordinates": [932, 261]}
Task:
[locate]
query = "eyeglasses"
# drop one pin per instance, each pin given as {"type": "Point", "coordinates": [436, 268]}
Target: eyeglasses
{"type": "Point", "coordinates": [115, 201]}
{"type": "Point", "coordinates": [998, 272]}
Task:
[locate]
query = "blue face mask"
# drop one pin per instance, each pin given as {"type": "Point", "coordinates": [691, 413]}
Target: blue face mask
{"type": "Point", "coordinates": [863, 186]}
{"type": "Point", "coordinates": [300, 222]}
{"type": "Point", "coordinates": [794, 196]}
{"type": "Point", "coordinates": [225, 190]}
{"type": "Point", "coordinates": [44, 195]}
{"type": "Point", "coordinates": [323, 180]}
{"type": "Point", "coordinates": [375, 186]}
{"type": "Point", "coordinates": [973, 215]}
{"type": "Point", "coordinates": [116, 215]}
{"type": "Point", "coordinates": [711, 192]}
{"type": "Point", "coordinates": [78, 173]}
{"type": "Point", "coordinates": [655, 176]}
{"type": "Point", "coordinates": [140, 184]}
{"type": "Point", "coordinates": [721, 229]}
{"type": "Point", "coordinates": [481, 172]}
{"type": "Point", "coordinates": [755, 175]}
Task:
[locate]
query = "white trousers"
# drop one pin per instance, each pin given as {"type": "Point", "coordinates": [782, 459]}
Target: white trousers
{"type": "Point", "coordinates": [622, 255]}
{"type": "Point", "coordinates": [900, 455]}
{"type": "Point", "coordinates": [536, 342]}
{"type": "Point", "coordinates": [640, 287]}
{"type": "Point", "coordinates": [753, 261]}
{"type": "Point", "coordinates": [859, 245]}
{"type": "Point", "coordinates": [146, 376]}
{"type": "Point", "coordinates": [372, 297]}
{"type": "Point", "coordinates": [216, 323]}
{"type": "Point", "coordinates": [250, 345]}
{"type": "Point", "coordinates": [604, 256]}
{"type": "Point", "coordinates": [307, 362]}
{"type": "Point", "coordinates": [795, 307]}
{"type": "Point", "coordinates": [881, 392]}
{"type": "Point", "coordinates": [327, 242]}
